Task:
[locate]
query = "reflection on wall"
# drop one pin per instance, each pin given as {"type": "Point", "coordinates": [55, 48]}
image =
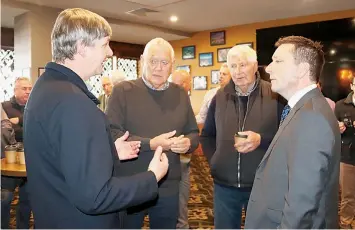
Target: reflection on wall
{"type": "Point", "coordinates": [338, 39]}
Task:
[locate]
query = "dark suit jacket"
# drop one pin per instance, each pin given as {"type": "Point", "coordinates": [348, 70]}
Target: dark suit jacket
{"type": "Point", "coordinates": [70, 157]}
{"type": "Point", "coordinates": [296, 183]}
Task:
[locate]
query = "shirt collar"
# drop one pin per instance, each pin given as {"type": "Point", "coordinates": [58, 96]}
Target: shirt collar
{"type": "Point", "coordinates": [166, 85]}
{"type": "Point", "coordinates": [299, 94]}
{"type": "Point", "coordinates": [73, 78]}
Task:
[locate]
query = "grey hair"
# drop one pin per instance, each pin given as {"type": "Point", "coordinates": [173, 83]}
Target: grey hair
{"type": "Point", "coordinates": [74, 25]}
{"type": "Point", "coordinates": [242, 51]}
{"type": "Point", "coordinates": [117, 76]}
{"type": "Point", "coordinates": [21, 79]}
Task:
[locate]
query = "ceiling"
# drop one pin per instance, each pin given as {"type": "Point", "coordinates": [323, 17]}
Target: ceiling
{"type": "Point", "coordinates": [194, 15]}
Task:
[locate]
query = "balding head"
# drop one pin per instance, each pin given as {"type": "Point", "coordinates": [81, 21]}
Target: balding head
{"type": "Point", "coordinates": [22, 90]}
{"type": "Point", "coordinates": [182, 78]}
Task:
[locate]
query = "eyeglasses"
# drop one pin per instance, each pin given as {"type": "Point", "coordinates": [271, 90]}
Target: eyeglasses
{"type": "Point", "coordinates": [155, 62]}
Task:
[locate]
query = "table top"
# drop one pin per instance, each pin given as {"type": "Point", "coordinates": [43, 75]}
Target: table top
{"type": "Point", "coordinates": [15, 170]}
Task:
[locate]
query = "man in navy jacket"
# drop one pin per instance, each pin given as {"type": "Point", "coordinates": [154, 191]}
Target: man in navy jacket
{"type": "Point", "coordinates": [70, 155]}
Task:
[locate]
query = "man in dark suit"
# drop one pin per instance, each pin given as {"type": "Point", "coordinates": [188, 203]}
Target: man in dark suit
{"type": "Point", "coordinates": [296, 183]}
{"type": "Point", "coordinates": [71, 159]}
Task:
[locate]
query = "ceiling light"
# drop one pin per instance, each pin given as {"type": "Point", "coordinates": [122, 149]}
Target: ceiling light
{"type": "Point", "coordinates": [332, 51]}
{"type": "Point", "coordinates": [173, 18]}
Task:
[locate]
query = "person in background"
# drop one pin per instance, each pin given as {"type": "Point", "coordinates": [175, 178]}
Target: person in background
{"type": "Point", "coordinates": [330, 101]}
{"type": "Point", "coordinates": [117, 76]}
{"type": "Point", "coordinates": [296, 184]}
{"type": "Point", "coordinates": [107, 88]}
{"type": "Point", "coordinates": [224, 78]}
{"type": "Point", "coordinates": [245, 106]}
{"type": "Point", "coordinates": [183, 79]}
{"type": "Point", "coordinates": [156, 113]}
{"type": "Point", "coordinates": [14, 109]}
{"type": "Point", "coordinates": [345, 113]}
{"type": "Point", "coordinates": [71, 159]}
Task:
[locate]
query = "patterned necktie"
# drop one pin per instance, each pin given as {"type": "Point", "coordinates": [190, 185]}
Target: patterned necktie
{"type": "Point", "coordinates": [285, 112]}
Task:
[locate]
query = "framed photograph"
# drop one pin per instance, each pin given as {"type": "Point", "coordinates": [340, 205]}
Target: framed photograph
{"type": "Point", "coordinates": [206, 59]}
{"type": "Point", "coordinates": [222, 54]}
{"type": "Point", "coordinates": [214, 77]}
{"type": "Point", "coordinates": [250, 44]}
{"type": "Point", "coordinates": [199, 83]}
{"type": "Point", "coordinates": [188, 52]}
{"type": "Point", "coordinates": [218, 38]}
{"type": "Point", "coordinates": [41, 71]}
{"type": "Point", "coordinates": [184, 67]}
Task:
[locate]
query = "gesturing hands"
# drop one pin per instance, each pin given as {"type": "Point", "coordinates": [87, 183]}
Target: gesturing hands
{"type": "Point", "coordinates": [167, 141]}
{"type": "Point", "coordinates": [159, 164]}
{"type": "Point", "coordinates": [127, 149]}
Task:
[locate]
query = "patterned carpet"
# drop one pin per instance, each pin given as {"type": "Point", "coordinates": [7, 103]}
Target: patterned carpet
{"type": "Point", "coordinates": [201, 197]}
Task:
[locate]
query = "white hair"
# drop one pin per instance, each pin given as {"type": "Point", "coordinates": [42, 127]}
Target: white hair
{"type": "Point", "coordinates": [158, 41]}
{"type": "Point", "coordinates": [117, 76]}
{"type": "Point", "coordinates": [244, 51]}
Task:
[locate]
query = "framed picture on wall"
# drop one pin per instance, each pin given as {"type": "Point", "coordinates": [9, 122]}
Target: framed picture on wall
{"type": "Point", "coordinates": [218, 38]}
{"type": "Point", "coordinates": [206, 59]}
{"type": "Point", "coordinates": [188, 52]}
{"type": "Point", "coordinates": [41, 71]}
{"type": "Point", "coordinates": [183, 67]}
{"type": "Point", "coordinates": [250, 44]}
{"type": "Point", "coordinates": [214, 77]}
{"type": "Point", "coordinates": [222, 54]}
{"type": "Point", "coordinates": [199, 83]}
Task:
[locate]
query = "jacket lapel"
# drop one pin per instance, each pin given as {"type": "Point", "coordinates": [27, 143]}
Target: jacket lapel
{"type": "Point", "coordinates": [298, 106]}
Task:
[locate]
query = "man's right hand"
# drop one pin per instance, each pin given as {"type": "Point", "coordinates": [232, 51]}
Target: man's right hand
{"type": "Point", "coordinates": [164, 140]}
{"type": "Point", "coordinates": [159, 164]}
{"type": "Point", "coordinates": [342, 127]}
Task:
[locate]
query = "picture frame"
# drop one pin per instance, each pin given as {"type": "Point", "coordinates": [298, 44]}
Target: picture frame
{"type": "Point", "coordinates": [188, 52]}
{"type": "Point", "coordinates": [184, 67]}
{"type": "Point", "coordinates": [250, 44]}
{"type": "Point", "coordinates": [206, 59]}
{"type": "Point", "coordinates": [199, 83]}
{"type": "Point", "coordinates": [214, 77]}
{"type": "Point", "coordinates": [218, 38]}
{"type": "Point", "coordinates": [41, 70]}
{"type": "Point", "coordinates": [222, 54]}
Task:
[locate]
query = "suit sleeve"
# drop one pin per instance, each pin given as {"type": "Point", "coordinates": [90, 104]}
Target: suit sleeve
{"type": "Point", "coordinates": [116, 113]}
{"type": "Point", "coordinates": [208, 134]}
{"type": "Point", "coordinates": [86, 162]}
{"type": "Point", "coordinates": [309, 161]}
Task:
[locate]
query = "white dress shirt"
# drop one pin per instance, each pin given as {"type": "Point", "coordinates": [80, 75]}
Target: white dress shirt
{"type": "Point", "coordinates": [202, 114]}
{"type": "Point", "coordinates": [299, 94]}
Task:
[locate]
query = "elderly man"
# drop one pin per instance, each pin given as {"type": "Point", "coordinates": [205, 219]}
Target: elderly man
{"type": "Point", "coordinates": [107, 88]}
{"type": "Point", "coordinates": [14, 110]}
{"type": "Point", "coordinates": [155, 112]}
{"type": "Point", "coordinates": [183, 79]}
{"type": "Point", "coordinates": [296, 183]}
{"type": "Point", "coordinates": [71, 158]}
{"type": "Point", "coordinates": [224, 78]}
{"type": "Point", "coordinates": [245, 106]}
{"type": "Point", "coordinates": [345, 113]}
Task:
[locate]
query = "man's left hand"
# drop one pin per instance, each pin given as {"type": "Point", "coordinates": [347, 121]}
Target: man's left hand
{"type": "Point", "coordinates": [181, 144]}
{"type": "Point", "coordinates": [127, 149]}
{"type": "Point", "coordinates": [250, 143]}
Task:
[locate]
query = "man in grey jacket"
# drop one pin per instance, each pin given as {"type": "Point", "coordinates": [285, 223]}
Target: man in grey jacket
{"type": "Point", "coordinates": [296, 183]}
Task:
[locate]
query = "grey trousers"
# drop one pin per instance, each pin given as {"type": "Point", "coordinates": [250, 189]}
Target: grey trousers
{"type": "Point", "coordinates": [184, 193]}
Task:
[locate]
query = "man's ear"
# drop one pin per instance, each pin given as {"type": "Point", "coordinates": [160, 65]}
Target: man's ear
{"type": "Point", "coordinates": [303, 70]}
{"type": "Point", "coordinates": [81, 48]}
